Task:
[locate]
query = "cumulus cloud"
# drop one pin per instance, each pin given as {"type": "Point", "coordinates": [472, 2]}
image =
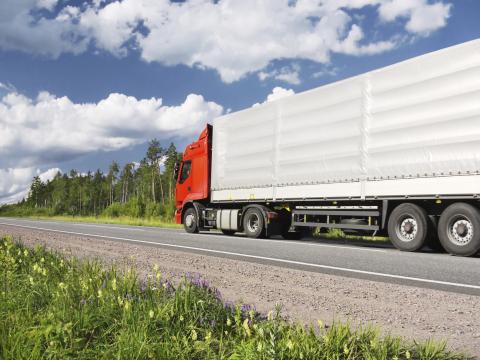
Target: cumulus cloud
{"type": "Point", "coordinates": [233, 37]}
{"type": "Point", "coordinates": [23, 28]}
{"type": "Point", "coordinates": [277, 93]}
{"type": "Point", "coordinates": [288, 74]}
{"type": "Point", "coordinates": [50, 129]}
{"type": "Point", "coordinates": [422, 16]}
{"type": "Point", "coordinates": [326, 71]}
{"type": "Point", "coordinates": [15, 182]}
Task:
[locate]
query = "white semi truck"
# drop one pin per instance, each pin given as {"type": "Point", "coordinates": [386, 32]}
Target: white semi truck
{"type": "Point", "coordinates": [394, 151]}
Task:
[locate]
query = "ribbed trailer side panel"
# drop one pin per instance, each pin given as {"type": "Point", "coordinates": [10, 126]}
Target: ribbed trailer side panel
{"type": "Point", "coordinates": [411, 129]}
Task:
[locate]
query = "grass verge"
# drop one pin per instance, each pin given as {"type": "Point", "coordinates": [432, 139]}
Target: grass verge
{"type": "Point", "coordinates": [53, 307]}
{"type": "Point", "coordinates": [122, 220]}
{"type": "Point", "coordinates": [339, 234]}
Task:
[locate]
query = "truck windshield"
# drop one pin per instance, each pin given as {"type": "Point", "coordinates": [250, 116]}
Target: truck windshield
{"type": "Point", "coordinates": [185, 171]}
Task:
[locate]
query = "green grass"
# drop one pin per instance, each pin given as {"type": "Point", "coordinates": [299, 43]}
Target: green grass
{"type": "Point", "coordinates": [122, 220]}
{"type": "Point", "coordinates": [338, 234]}
{"type": "Point", "coordinates": [57, 308]}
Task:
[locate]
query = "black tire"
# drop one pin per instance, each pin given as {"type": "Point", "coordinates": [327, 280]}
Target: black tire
{"type": "Point", "coordinates": [228, 232]}
{"type": "Point", "coordinates": [190, 221]}
{"type": "Point", "coordinates": [408, 227]}
{"type": "Point", "coordinates": [254, 223]}
{"type": "Point", "coordinates": [459, 229]}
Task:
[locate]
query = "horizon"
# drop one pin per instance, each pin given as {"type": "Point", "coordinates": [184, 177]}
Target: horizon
{"type": "Point", "coordinates": [78, 89]}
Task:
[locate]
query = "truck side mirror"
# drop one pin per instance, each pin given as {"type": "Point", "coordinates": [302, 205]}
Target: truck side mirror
{"type": "Point", "coordinates": [176, 168]}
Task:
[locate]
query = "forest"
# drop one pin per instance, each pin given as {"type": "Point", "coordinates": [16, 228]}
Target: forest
{"type": "Point", "coordinates": [140, 190]}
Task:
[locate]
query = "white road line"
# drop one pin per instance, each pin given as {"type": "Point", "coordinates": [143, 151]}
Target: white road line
{"type": "Point", "coordinates": [105, 226]}
{"type": "Point", "coordinates": [217, 235]}
{"type": "Point", "coordinates": [297, 242]}
{"type": "Point", "coordinates": [293, 262]}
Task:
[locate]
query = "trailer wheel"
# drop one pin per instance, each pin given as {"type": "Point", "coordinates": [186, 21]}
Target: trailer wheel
{"type": "Point", "coordinates": [190, 221]}
{"type": "Point", "coordinates": [228, 232]}
{"type": "Point", "coordinates": [407, 227]}
{"type": "Point", "coordinates": [459, 229]}
{"type": "Point", "coordinates": [254, 223]}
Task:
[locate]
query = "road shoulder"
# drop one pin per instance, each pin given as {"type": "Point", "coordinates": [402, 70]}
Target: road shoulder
{"type": "Point", "coordinates": [305, 296]}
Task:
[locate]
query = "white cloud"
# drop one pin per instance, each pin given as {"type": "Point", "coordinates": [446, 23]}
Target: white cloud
{"type": "Point", "coordinates": [277, 93]}
{"type": "Point", "coordinates": [49, 129]}
{"type": "Point", "coordinates": [15, 182]}
{"type": "Point", "coordinates": [7, 87]}
{"type": "Point", "coordinates": [23, 28]}
{"type": "Point", "coordinates": [288, 74]}
{"type": "Point", "coordinates": [422, 16]}
{"type": "Point", "coordinates": [326, 71]}
{"type": "Point", "coordinates": [47, 4]}
{"type": "Point", "coordinates": [233, 37]}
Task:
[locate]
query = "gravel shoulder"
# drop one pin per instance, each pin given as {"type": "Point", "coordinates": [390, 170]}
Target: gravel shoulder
{"type": "Point", "coordinates": [305, 296]}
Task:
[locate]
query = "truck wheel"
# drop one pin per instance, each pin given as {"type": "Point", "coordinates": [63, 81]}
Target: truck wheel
{"type": "Point", "coordinates": [459, 229]}
{"type": "Point", "coordinates": [407, 227]}
{"type": "Point", "coordinates": [228, 232]}
{"type": "Point", "coordinates": [254, 223]}
{"type": "Point", "coordinates": [190, 221]}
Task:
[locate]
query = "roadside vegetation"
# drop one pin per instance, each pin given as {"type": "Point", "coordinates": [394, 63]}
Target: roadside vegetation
{"type": "Point", "coordinates": [121, 220]}
{"type": "Point", "coordinates": [336, 234]}
{"type": "Point", "coordinates": [53, 307]}
{"type": "Point", "coordinates": [143, 190]}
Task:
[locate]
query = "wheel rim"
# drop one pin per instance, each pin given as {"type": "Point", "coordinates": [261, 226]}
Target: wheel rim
{"type": "Point", "coordinates": [253, 223]}
{"type": "Point", "coordinates": [407, 228]}
{"type": "Point", "coordinates": [460, 230]}
{"type": "Point", "coordinates": [190, 220]}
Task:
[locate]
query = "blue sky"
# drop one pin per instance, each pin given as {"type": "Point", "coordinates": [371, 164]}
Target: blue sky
{"type": "Point", "coordinates": [85, 82]}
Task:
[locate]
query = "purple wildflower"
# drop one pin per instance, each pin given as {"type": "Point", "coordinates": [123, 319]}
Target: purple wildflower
{"type": "Point", "coordinates": [230, 306]}
{"type": "Point", "coordinates": [217, 294]}
{"type": "Point", "coordinates": [246, 308]}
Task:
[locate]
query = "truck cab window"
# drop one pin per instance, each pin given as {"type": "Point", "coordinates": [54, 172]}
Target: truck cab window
{"type": "Point", "coordinates": [185, 171]}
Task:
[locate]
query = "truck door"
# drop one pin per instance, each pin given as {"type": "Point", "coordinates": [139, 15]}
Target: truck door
{"type": "Point", "coordinates": [184, 183]}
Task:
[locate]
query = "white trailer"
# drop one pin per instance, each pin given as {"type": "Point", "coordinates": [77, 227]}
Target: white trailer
{"type": "Point", "coordinates": [408, 130]}
{"type": "Point", "coordinates": [394, 149]}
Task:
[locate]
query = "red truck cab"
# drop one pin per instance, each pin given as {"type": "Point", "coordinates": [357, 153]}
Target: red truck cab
{"type": "Point", "coordinates": [193, 175]}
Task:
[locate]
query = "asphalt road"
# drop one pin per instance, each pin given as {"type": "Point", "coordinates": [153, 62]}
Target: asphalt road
{"type": "Point", "coordinates": [423, 269]}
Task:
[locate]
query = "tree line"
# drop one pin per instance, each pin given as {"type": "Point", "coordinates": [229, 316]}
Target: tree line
{"type": "Point", "coordinates": [145, 189]}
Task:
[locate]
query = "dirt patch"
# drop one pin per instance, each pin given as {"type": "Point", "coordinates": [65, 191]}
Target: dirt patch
{"type": "Point", "coordinates": [305, 296]}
